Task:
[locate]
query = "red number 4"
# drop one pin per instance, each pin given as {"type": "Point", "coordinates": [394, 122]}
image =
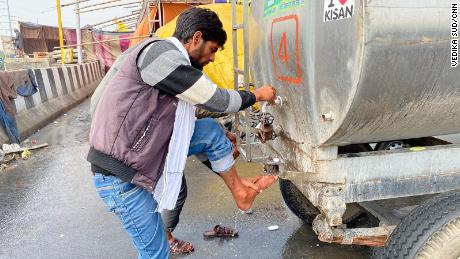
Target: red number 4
{"type": "Point", "coordinates": [282, 51]}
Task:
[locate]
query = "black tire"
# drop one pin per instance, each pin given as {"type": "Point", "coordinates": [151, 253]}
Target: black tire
{"type": "Point", "coordinates": [304, 209]}
{"type": "Point", "coordinates": [432, 230]}
{"type": "Point", "coordinates": [297, 202]}
{"type": "Point", "coordinates": [354, 148]}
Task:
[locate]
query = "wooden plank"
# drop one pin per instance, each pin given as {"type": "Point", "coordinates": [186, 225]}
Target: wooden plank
{"type": "Point", "coordinates": [30, 148]}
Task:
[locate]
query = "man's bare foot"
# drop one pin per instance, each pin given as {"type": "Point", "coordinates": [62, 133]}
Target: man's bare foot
{"type": "Point", "coordinates": [245, 197]}
{"type": "Point", "coordinates": [266, 181]}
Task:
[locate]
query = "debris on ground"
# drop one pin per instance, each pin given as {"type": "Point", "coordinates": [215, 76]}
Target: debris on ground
{"type": "Point", "coordinates": [8, 166]}
{"type": "Point", "coordinates": [11, 153]}
{"type": "Point", "coordinates": [10, 148]}
{"type": "Point", "coordinates": [273, 228]}
{"type": "Point", "coordinates": [221, 231]}
{"type": "Point", "coordinates": [26, 154]}
{"type": "Point", "coordinates": [33, 147]}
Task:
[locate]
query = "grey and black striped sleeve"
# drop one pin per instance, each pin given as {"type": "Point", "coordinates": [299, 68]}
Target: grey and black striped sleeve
{"type": "Point", "coordinates": [163, 66]}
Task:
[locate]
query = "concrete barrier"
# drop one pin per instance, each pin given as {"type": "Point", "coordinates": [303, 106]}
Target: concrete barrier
{"type": "Point", "coordinates": [59, 90]}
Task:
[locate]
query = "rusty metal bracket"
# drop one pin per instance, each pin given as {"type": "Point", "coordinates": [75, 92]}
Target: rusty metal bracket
{"type": "Point", "coordinates": [328, 198]}
{"type": "Point", "coordinates": [376, 237]}
{"type": "Point", "coordinates": [272, 166]}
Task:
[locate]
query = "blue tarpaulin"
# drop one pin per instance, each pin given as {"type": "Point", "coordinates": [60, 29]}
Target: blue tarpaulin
{"type": "Point", "coordinates": [29, 87]}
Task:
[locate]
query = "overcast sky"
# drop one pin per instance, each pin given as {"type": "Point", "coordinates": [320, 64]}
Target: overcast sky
{"type": "Point", "coordinates": [44, 12]}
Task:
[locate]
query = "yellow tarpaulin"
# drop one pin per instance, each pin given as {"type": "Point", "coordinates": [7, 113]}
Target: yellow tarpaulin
{"type": "Point", "coordinates": [221, 70]}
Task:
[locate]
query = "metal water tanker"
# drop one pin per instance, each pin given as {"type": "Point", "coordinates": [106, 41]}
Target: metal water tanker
{"type": "Point", "coordinates": [365, 85]}
{"type": "Point", "coordinates": [382, 72]}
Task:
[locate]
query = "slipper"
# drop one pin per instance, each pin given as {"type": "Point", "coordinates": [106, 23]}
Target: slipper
{"type": "Point", "coordinates": [180, 247]}
{"type": "Point", "coordinates": [220, 231]}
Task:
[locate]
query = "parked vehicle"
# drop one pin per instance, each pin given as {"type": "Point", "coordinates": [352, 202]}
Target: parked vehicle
{"type": "Point", "coordinates": [364, 85]}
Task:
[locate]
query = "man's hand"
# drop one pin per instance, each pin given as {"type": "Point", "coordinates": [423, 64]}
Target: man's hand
{"type": "Point", "coordinates": [232, 138]}
{"type": "Point", "coordinates": [265, 93]}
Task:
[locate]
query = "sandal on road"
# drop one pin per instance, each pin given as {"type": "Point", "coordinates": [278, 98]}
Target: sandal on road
{"type": "Point", "coordinates": [220, 231]}
{"type": "Point", "coordinates": [180, 247]}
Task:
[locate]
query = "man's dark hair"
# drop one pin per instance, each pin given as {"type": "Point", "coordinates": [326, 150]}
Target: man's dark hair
{"type": "Point", "coordinates": [200, 19]}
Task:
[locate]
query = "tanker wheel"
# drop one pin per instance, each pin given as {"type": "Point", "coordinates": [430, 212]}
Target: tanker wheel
{"type": "Point", "coordinates": [390, 145]}
{"type": "Point", "coordinates": [432, 230]}
{"type": "Point", "coordinates": [304, 209]}
{"type": "Point", "coordinates": [297, 202]}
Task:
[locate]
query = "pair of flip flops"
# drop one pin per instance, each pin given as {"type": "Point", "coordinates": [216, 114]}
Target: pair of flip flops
{"type": "Point", "coordinates": [183, 247]}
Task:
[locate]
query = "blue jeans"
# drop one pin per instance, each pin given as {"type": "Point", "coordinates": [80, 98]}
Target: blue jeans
{"type": "Point", "coordinates": [209, 142]}
{"type": "Point", "coordinates": [136, 208]}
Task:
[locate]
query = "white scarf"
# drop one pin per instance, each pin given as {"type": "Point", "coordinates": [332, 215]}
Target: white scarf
{"type": "Point", "coordinates": [168, 187]}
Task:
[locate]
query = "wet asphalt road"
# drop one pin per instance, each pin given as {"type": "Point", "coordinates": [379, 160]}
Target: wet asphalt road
{"type": "Point", "coordinates": [48, 209]}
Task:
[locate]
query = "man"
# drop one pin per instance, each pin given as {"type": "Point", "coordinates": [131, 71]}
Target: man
{"type": "Point", "coordinates": [19, 44]}
{"type": "Point", "coordinates": [144, 128]}
{"type": "Point", "coordinates": [171, 217]}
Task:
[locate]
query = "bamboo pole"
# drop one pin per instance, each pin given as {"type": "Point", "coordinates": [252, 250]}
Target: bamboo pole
{"type": "Point", "coordinates": [78, 1]}
{"type": "Point", "coordinates": [79, 41]}
{"type": "Point", "coordinates": [105, 7]}
{"type": "Point", "coordinates": [129, 26]}
{"type": "Point", "coordinates": [114, 23]}
{"type": "Point", "coordinates": [132, 5]}
{"type": "Point", "coordinates": [118, 20]}
{"type": "Point", "coordinates": [129, 22]}
{"type": "Point", "coordinates": [9, 18]}
{"type": "Point", "coordinates": [111, 20]}
{"type": "Point", "coordinates": [98, 4]}
{"type": "Point", "coordinates": [128, 19]}
{"type": "Point", "coordinates": [104, 41]}
{"type": "Point", "coordinates": [61, 36]}
{"type": "Point", "coordinates": [149, 20]}
{"type": "Point", "coordinates": [160, 13]}
{"type": "Point", "coordinates": [144, 7]}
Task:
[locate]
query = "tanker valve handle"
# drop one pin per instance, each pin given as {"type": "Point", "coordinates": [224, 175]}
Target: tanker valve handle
{"type": "Point", "coordinates": [279, 101]}
{"type": "Point", "coordinates": [265, 127]}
